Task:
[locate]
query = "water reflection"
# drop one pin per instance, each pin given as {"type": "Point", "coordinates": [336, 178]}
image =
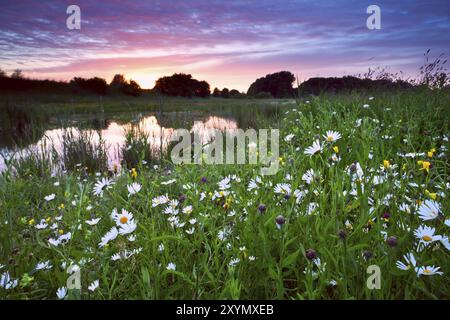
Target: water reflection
{"type": "Point", "coordinates": [114, 136]}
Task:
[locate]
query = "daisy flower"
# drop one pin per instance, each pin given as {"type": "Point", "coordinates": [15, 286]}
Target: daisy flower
{"type": "Point", "coordinates": [289, 137]}
{"type": "Point", "coordinates": [429, 271]}
{"type": "Point", "coordinates": [94, 285]}
{"type": "Point", "coordinates": [133, 188]}
{"type": "Point", "coordinates": [282, 188]}
{"type": "Point", "coordinates": [425, 235]}
{"type": "Point", "coordinates": [429, 210]}
{"type": "Point", "coordinates": [234, 262]}
{"type": "Point", "coordinates": [122, 218]}
{"type": "Point", "coordinates": [93, 222]}
{"type": "Point", "coordinates": [109, 236]}
{"type": "Point", "coordinates": [46, 265]}
{"type": "Point", "coordinates": [445, 242]}
{"type": "Point", "coordinates": [187, 210]}
{"type": "Point", "coordinates": [61, 293]}
{"type": "Point", "coordinates": [50, 197]}
{"type": "Point", "coordinates": [308, 176]}
{"type": "Point", "coordinates": [160, 200]}
{"type": "Point", "coordinates": [224, 183]}
{"type": "Point", "coordinates": [102, 185]}
{"type": "Point", "coordinates": [171, 266]}
{"type": "Point", "coordinates": [127, 228]}
{"type": "Point", "coordinates": [315, 148]}
{"type": "Point", "coordinates": [6, 282]}
{"type": "Point", "coordinates": [332, 136]}
{"type": "Point", "coordinates": [410, 262]}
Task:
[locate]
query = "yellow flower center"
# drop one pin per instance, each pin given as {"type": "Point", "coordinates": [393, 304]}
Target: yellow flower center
{"type": "Point", "coordinates": [329, 138]}
{"type": "Point", "coordinates": [426, 238]}
{"type": "Point", "coordinates": [426, 271]}
{"type": "Point", "coordinates": [123, 220]}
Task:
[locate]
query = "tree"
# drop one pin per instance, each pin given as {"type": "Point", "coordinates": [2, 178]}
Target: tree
{"type": "Point", "coordinates": [216, 93]}
{"type": "Point", "coordinates": [118, 82]}
{"type": "Point", "coordinates": [183, 85]}
{"type": "Point", "coordinates": [2, 73]}
{"type": "Point", "coordinates": [225, 93]}
{"type": "Point", "coordinates": [279, 85]}
{"type": "Point", "coordinates": [132, 88]}
{"type": "Point", "coordinates": [95, 85]}
{"type": "Point", "coordinates": [17, 74]}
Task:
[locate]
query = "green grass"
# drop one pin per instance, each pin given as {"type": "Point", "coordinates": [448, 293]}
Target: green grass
{"type": "Point", "coordinates": [393, 125]}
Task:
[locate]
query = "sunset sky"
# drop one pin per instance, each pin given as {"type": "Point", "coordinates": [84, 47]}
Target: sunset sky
{"type": "Point", "coordinates": [227, 43]}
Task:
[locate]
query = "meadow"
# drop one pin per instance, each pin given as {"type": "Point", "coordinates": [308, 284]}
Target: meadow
{"type": "Point", "coordinates": [363, 181]}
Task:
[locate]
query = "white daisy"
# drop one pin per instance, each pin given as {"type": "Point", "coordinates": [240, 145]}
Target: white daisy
{"type": "Point", "coordinates": [234, 262]}
{"type": "Point", "coordinates": [46, 265]}
{"type": "Point", "coordinates": [133, 188]}
{"type": "Point", "coordinates": [308, 176]}
{"type": "Point", "coordinates": [109, 236]}
{"type": "Point", "coordinates": [6, 282]}
{"type": "Point", "coordinates": [315, 148]}
{"type": "Point", "coordinates": [61, 293]}
{"type": "Point", "coordinates": [445, 242]}
{"type": "Point", "coordinates": [224, 183]}
{"type": "Point", "coordinates": [93, 222]}
{"type": "Point", "coordinates": [187, 209]}
{"type": "Point", "coordinates": [171, 266]}
{"type": "Point", "coordinates": [127, 228]}
{"type": "Point", "coordinates": [429, 210]}
{"type": "Point", "coordinates": [122, 218]}
{"type": "Point", "coordinates": [94, 285]}
{"type": "Point", "coordinates": [50, 197]}
{"type": "Point", "coordinates": [289, 137]}
{"type": "Point", "coordinates": [160, 200]}
{"type": "Point", "coordinates": [426, 236]}
{"type": "Point", "coordinates": [282, 188]}
{"type": "Point", "coordinates": [410, 262]}
{"type": "Point", "coordinates": [102, 185]}
{"type": "Point", "coordinates": [429, 271]}
{"type": "Point", "coordinates": [332, 136]}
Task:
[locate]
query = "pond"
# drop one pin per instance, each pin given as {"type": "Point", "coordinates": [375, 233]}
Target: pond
{"type": "Point", "coordinates": [157, 128]}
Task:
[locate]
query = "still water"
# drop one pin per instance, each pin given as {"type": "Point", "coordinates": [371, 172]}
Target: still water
{"type": "Point", "coordinates": [114, 134]}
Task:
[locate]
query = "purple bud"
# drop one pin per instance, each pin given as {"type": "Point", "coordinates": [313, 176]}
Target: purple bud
{"type": "Point", "coordinates": [280, 220]}
{"type": "Point", "coordinates": [392, 241]}
{"type": "Point", "coordinates": [311, 254]}
{"type": "Point", "coordinates": [262, 208]}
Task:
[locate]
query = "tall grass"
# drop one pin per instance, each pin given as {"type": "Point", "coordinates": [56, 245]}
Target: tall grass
{"type": "Point", "coordinates": [80, 151]}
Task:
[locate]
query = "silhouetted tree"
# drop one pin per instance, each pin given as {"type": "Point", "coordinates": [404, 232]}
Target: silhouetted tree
{"type": "Point", "coordinates": [95, 85]}
{"type": "Point", "coordinates": [2, 73]}
{"type": "Point", "coordinates": [118, 82]}
{"type": "Point", "coordinates": [183, 85]}
{"type": "Point", "coordinates": [17, 74]}
{"type": "Point", "coordinates": [132, 89]}
{"type": "Point", "coordinates": [279, 85]}
{"type": "Point", "coordinates": [216, 93]}
{"type": "Point", "coordinates": [225, 93]}
{"type": "Point", "coordinates": [345, 84]}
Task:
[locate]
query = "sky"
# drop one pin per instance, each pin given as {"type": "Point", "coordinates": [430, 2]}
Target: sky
{"type": "Point", "coordinates": [227, 43]}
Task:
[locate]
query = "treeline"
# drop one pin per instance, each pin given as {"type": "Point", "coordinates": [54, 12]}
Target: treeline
{"type": "Point", "coordinates": [433, 75]}
{"type": "Point", "coordinates": [17, 82]}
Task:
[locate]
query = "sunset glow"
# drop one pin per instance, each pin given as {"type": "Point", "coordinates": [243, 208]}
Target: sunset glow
{"type": "Point", "coordinates": [227, 43]}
